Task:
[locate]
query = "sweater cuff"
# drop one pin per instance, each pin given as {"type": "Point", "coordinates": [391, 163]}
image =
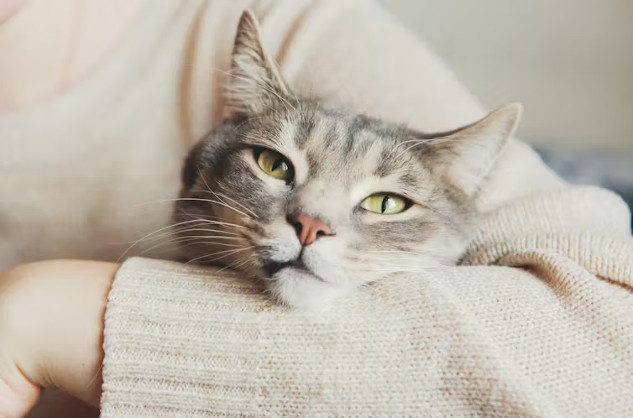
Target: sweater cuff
{"type": "Point", "coordinates": [172, 343]}
{"type": "Point", "coordinates": [189, 341]}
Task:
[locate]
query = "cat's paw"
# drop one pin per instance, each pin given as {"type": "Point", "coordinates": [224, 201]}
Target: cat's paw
{"type": "Point", "coordinates": [299, 288]}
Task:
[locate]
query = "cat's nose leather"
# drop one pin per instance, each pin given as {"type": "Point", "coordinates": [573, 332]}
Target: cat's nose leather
{"type": "Point", "coordinates": [309, 229]}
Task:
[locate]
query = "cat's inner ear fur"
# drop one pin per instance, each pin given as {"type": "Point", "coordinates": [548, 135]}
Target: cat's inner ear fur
{"type": "Point", "coordinates": [255, 83]}
{"type": "Point", "coordinates": [464, 157]}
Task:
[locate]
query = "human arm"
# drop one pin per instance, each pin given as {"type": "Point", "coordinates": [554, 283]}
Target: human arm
{"type": "Point", "coordinates": [51, 325]}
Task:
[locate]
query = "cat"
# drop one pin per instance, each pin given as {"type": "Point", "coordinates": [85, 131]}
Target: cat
{"type": "Point", "coordinates": [317, 200]}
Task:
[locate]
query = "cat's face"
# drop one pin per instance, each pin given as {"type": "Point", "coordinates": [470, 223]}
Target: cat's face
{"type": "Point", "coordinates": [317, 200]}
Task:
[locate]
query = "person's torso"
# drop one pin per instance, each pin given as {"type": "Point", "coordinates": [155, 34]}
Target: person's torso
{"type": "Point", "coordinates": [89, 173]}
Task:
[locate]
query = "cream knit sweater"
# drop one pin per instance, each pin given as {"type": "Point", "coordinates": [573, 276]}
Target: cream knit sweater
{"type": "Point", "coordinates": [541, 325]}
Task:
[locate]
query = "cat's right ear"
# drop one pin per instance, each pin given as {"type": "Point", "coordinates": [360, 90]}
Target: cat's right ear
{"type": "Point", "coordinates": [465, 156]}
{"type": "Point", "coordinates": [255, 83]}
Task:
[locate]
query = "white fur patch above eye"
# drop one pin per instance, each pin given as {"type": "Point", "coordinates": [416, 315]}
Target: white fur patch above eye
{"type": "Point", "coordinates": [287, 144]}
{"type": "Point", "coordinates": [372, 157]}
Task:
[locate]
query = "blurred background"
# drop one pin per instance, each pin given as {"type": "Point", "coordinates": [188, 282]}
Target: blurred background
{"type": "Point", "coordinates": [570, 62]}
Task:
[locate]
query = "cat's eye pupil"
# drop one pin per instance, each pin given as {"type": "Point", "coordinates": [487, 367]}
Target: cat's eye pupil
{"type": "Point", "coordinates": [278, 161]}
{"type": "Point", "coordinates": [383, 207]}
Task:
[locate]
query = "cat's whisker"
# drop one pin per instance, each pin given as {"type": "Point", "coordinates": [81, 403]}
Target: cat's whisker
{"type": "Point", "coordinates": [175, 234]}
{"type": "Point", "coordinates": [196, 199]}
{"type": "Point", "coordinates": [135, 243]}
{"type": "Point", "coordinates": [236, 265]}
{"type": "Point", "coordinates": [226, 254]}
{"type": "Point", "coordinates": [246, 261]}
{"type": "Point", "coordinates": [215, 222]}
{"type": "Point", "coordinates": [180, 227]}
{"type": "Point", "coordinates": [237, 203]}
{"type": "Point", "coordinates": [188, 228]}
{"type": "Point", "coordinates": [164, 231]}
{"type": "Point", "coordinates": [218, 237]}
{"type": "Point", "coordinates": [206, 241]}
{"type": "Point", "coordinates": [202, 216]}
{"type": "Point", "coordinates": [223, 203]}
{"type": "Point", "coordinates": [188, 241]}
{"type": "Point", "coordinates": [231, 233]}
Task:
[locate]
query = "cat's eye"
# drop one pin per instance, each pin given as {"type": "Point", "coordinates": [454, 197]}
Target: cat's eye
{"type": "Point", "coordinates": [274, 164]}
{"type": "Point", "coordinates": [385, 203]}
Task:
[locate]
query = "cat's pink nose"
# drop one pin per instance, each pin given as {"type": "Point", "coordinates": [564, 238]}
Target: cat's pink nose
{"type": "Point", "coordinates": [309, 229]}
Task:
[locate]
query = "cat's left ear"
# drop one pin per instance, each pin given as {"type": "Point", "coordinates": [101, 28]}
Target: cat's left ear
{"type": "Point", "coordinates": [464, 157]}
{"type": "Point", "coordinates": [255, 83]}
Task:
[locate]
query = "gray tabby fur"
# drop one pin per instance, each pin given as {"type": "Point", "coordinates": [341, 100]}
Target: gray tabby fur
{"type": "Point", "coordinates": [233, 214]}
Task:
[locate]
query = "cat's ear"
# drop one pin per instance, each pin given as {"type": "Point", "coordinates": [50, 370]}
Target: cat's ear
{"type": "Point", "coordinates": [465, 156]}
{"type": "Point", "coordinates": [255, 82]}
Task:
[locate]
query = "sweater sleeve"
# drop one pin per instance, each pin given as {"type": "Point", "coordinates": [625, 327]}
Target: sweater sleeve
{"type": "Point", "coordinates": [555, 337]}
{"type": "Point", "coordinates": [188, 341]}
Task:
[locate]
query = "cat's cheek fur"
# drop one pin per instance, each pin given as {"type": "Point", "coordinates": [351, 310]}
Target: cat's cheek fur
{"type": "Point", "coordinates": [300, 289]}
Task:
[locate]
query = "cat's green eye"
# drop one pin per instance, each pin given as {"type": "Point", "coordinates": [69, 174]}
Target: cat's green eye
{"type": "Point", "coordinates": [385, 204]}
{"type": "Point", "coordinates": [274, 164]}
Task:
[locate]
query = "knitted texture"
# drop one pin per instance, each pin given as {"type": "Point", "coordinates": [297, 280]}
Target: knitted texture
{"type": "Point", "coordinates": [552, 338]}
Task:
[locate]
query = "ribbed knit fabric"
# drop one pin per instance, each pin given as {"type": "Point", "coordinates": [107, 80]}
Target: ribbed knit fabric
{"type": "Point", "coordinates": [551, 338]}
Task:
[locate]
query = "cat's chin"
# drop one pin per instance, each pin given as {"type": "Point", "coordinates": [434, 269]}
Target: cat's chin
{"type": "Point", "coordinates": [298, 288]}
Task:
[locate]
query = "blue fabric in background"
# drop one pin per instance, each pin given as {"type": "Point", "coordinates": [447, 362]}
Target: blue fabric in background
{"type": "Point", "coordinates": [597, 167]}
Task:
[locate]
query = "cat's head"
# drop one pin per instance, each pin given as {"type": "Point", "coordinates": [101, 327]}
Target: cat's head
{"type": "Point", "coordinates": [318, 200]}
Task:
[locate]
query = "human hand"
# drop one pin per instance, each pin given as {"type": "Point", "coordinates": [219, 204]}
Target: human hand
{"type": "Point", "coordinates": [51, 329]}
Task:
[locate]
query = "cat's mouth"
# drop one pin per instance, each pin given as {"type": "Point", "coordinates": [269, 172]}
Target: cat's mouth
{"type": "Point", "coordinates": [275, 267]}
